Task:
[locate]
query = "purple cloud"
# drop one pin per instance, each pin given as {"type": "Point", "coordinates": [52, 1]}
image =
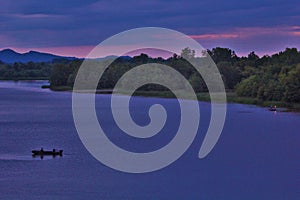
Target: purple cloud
{"type": "Point", "coordinates": [36, 24]}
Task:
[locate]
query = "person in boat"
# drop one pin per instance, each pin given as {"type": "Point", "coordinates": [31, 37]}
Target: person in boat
{"type": "Point", "coordinates": [42, 150]}
{"type": "Point", "coordinates": [273, 108]}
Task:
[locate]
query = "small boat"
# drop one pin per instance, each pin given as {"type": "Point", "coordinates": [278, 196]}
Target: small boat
{"type": "Point", "coordinates": [272, 108]}
{"type": "Point", "coordinates": [46, 153]}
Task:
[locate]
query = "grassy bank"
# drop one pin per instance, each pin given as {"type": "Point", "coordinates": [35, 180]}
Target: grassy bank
{"type": "Point", "coordinates": [57, 88]}
{"type": "Point", "coordinates": [231, 97]}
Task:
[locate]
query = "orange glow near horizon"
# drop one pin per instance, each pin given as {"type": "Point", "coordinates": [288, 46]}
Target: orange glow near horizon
{"type": "Point", "coordinates": [214, 36]}
{"type": "Point", "coordinates": [296, 33]}
{"type": "Point", "coordinates": [85, 50]}
{"type": "Point", "coordinates": [210, 39]}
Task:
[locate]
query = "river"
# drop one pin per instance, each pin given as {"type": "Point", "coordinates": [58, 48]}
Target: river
{"type": "Point", "coordinates": [256, 157]}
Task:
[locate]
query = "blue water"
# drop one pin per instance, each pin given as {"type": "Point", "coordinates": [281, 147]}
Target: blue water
{"type": "Point", "coordinates": [257, 156]}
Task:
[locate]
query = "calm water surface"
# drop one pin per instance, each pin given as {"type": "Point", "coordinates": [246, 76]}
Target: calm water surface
{"type": "Point", "coordinates": [257, 156]}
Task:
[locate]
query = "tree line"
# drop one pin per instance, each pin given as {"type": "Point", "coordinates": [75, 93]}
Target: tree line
{"type": "Point", "coordinates": [267, 78]}
{"type": "Point", "coordinates": [30, 70]}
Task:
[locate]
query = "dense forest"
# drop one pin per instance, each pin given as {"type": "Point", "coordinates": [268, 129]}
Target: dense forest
{"type": "Point", "coordinates": [29, 70]}
{"type": "Point", "coordinates": [20, 71]}
{"type": "Point", "coordinates": [267, 78]}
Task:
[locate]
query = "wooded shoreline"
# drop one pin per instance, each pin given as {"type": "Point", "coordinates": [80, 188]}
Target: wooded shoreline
{"type": "Point", "coordinates": [255, 80]}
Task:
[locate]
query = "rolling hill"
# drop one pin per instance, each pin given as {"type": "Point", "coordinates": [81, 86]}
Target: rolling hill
{"type": "Point", "coordinates": [10, 56]}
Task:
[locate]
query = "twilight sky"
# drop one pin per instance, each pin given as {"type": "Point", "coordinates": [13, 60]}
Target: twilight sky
{"type": "Point", "coordinates": [73, 27]}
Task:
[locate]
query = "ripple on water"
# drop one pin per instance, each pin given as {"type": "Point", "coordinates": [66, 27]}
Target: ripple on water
{"type": "Point", "coordinates": [16, 157]}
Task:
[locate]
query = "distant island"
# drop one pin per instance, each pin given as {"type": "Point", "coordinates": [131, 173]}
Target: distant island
{"type": "Point", "coordinates": [249, 79]}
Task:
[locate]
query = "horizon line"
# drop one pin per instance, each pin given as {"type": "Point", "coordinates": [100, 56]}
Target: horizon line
{"type": "Point", "coordinates": [81, 52]}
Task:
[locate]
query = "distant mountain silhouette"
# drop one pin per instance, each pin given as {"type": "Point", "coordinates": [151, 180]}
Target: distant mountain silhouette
{"type": "Point", "coordinates": [10, 56]}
